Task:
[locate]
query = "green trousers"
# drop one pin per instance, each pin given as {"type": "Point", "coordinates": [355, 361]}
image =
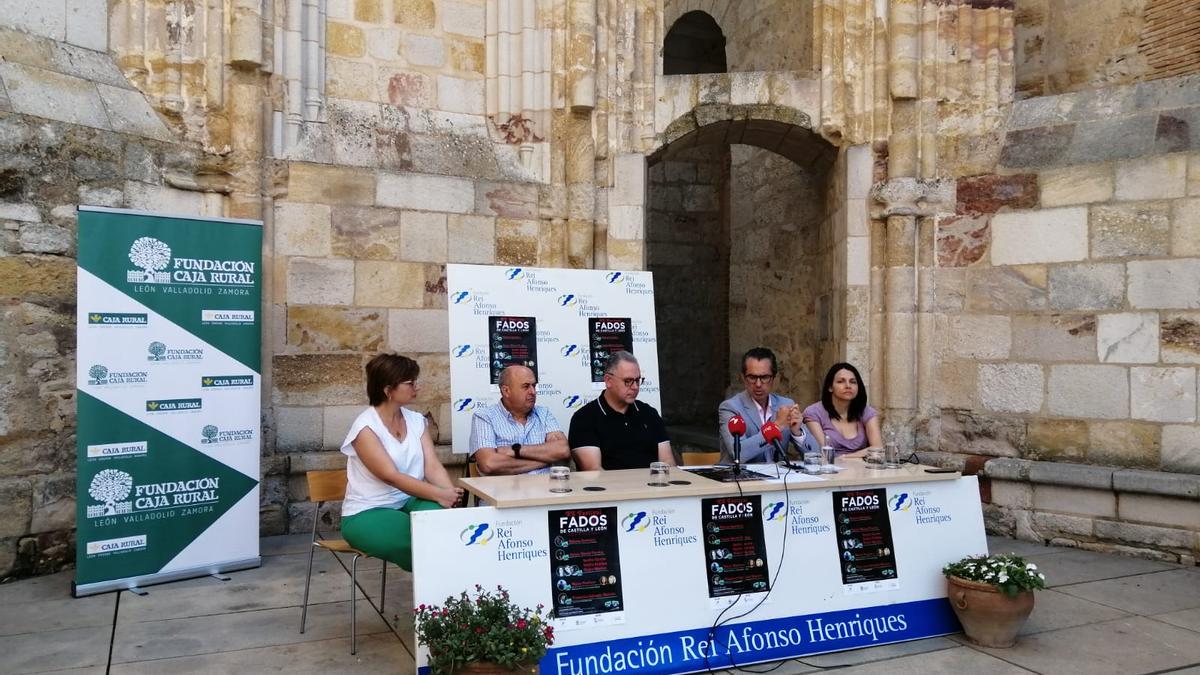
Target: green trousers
{"type": "Point", "coordinates": [385, 533]}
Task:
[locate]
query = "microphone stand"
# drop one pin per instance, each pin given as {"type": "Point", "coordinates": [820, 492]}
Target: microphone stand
{"type": "Point", "coordinates": [737, 455]}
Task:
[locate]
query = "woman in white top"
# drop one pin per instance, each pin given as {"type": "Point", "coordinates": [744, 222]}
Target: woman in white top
{"type": "Point", "coordinates": [391, 467]}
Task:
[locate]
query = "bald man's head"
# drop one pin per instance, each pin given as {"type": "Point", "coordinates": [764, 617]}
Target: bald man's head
{"type": "Point", "coordinates": [518, 389]}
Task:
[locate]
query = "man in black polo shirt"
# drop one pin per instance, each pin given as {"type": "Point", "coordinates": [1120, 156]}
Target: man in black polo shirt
{"type": "Point", "coordinates": [615, 431]}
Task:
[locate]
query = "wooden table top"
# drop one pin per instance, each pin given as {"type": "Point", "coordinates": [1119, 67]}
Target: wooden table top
{"type": "Point", "coordinates": [526, 490]}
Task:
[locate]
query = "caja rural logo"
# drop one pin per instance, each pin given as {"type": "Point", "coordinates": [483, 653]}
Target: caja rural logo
{"type": "Point", "coordinates": [774, 511]}
{"type": "Point", "coordinates": [900, 502]}
{"type": "Point", "coordinates": [635, 522]}
{"type": "Point", "coordinates": [153, 257]}
{"type": "Point", "coordinates": [476, 535]}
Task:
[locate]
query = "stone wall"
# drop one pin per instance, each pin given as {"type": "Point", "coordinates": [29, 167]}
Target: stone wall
{"type": "Point", "coordinates": [1067, 45]}
{"type": "Point", "coordinates": [687, 237]}
{"type": "Point", "coordinates": [776, 246]}
{"type": "Point", "coordinates": [72, 131]}
{"type": "Point", "coordinates": [763, 35]}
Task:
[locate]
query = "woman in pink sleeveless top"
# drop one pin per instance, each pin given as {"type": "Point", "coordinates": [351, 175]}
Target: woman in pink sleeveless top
{"type": "Point", "coordinates": [842, 419]}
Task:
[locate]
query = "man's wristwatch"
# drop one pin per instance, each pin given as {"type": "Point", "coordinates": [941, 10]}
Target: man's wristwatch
{"type": "Point", "coordinates": [516, 448]}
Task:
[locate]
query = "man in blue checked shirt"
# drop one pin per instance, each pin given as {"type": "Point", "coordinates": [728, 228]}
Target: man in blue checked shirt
{"type": "Point", "coordinates": [516, 435]}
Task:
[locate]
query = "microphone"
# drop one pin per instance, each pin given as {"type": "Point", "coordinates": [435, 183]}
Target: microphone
{"type": "Point", "coordinates": [737, 427]}
{"type": "Point", "coordinates": [771, 434]}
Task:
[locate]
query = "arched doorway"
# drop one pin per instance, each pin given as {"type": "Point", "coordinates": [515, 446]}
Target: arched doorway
{"type": "Point", "coordinates": [739, 236]}
{"type": "Point", "coordinates": [693, 45]}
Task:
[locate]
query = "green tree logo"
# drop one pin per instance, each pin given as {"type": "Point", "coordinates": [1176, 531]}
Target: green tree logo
{"type": "Point", "coordinates": [210, 433]}
{"type": "Point", "coordinates": [110, 486]}
{"type": "Point", "coordinates": [157, 349]}
{"type": "Point", "coordinates": [151, 255]}
{"type": "Point", "coordinates": [98, 373]}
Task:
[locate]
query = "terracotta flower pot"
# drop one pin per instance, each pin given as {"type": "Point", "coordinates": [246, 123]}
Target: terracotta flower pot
{"type": "Point", "coordinates": [492, 668]}
{"type": "Point", "coordinates": [988, 617]}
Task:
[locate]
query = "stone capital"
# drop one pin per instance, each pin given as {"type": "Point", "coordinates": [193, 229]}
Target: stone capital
{"type": "Point", "coordinates": [908, 196]}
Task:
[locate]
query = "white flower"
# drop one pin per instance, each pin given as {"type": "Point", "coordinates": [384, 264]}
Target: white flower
{"type": "Point", "coordinates": [1030, 566]}
{"type": "Point", "coordinates": [1041, 576]}
{"type": "Point", "coordinates": [1003, 577]}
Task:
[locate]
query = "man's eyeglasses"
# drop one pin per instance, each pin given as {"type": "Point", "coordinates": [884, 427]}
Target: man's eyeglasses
{"type": "Point", "coordinates": [632, 381]}
{"type": "Point", "coordinates": [760, 379]}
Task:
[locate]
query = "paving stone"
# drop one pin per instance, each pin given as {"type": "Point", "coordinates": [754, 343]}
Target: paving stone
{"type": "Point", "coordinates": [55, 650]}
{"type": "Point", "coordinates": [1053, 610]}
{"type": "Point", "coordinates": [284, 544]}
{"type": "Point", "coordinates": [953, 660]}
{"type": "Point", "coordinates": [1120, 647]}
{"type": "Point", "coordinates": [1188, 618]}
{"type": "Point", "coordinates": [1170, 590]}
{"type": "Point", "coordinates": [1022, 548]}
{"type": "Point", "coordinates": [1073, 566]}
{"type": "Point", "coordinates": [880, 653]}
{"type": "Point", "coordinates": [379, 653]}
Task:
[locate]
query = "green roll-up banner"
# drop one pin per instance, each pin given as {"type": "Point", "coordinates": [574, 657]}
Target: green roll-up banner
{"type": "Point", "coordinates": [168, 387]}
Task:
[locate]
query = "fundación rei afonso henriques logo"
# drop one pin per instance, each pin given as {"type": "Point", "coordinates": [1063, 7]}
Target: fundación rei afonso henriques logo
{"type": "Point", "coordinates": [476, 535]}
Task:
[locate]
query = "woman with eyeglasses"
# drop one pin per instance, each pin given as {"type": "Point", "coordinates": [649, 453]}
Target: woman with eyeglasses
{"type": "Point", "coordinates": [842, 419]}
{"type": "Point", "coordinates": [391, 467]}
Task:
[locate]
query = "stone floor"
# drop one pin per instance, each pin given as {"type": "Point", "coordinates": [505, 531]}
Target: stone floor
{"type": "Point", "coordinates": [1102, 614]}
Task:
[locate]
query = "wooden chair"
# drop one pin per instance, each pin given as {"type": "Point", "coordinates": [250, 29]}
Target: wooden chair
{"type": "Point", "coordinates": [330, 486]}
{"type": "Point", "coordinates": [700, 458]}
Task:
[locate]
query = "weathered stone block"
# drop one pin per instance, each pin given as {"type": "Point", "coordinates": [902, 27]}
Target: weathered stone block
{"type": "Point", "coordinates": [53, 504]}
{"type": "Point", "coordinates": [345, 40]}
{"type": "Point", "coordinates": [1164, 284]}
{"type": "Point", "coordinates": [332, 460]}
{"type": "Point", "coordinates": [1087, 286]}
{"type": "Point", "coordinates": [405, 88]}
{"type": "Point", "coordinates": [1158, 483]}
{"type": "Point", "coordinates": [959, 386]}
{"type": "Point", "coordinates": [435, 378]}
{"type": "Point", "coordinates": [1181, 448]}
{"type": "Point", "coordinates": [626, 254]}
{"type": "Point", "coordinates": [1180, 335]}
{"type": "Point", "coordinates": [471, 239]}
{"type": "Point", "coordinates": [320, 281]}
{"type": "Point", "coordinates": [383, 44]}
{"type": "Point", "coordinates": [467, 55]}
{"type": "Point", "coordinates": [1076, 185]}
{"type": "Point", "coordinates": [977, 433]}
{"type": "Point", "coordinates": [1060, 235]}
{"type": "Point", "coordinates": [1011, 387]}
{"type": "Point", "coordinates": [507, 200]}
{"type": "Point", "coordinates": [365, 233]}
{"type": "Point", "coordinates": [1041, 146]}
{"type": "Point", "coordinates": [45, 238]}
{"type": "Point", "coordinates": [1161, 177]}
{"type": "Point", "coordinates": [336, 422]}
{"type": "Point", "coordinates": [45, 19]}
{"type": "Point", "coordinates": [1089, 391]}
{"type": "Point", "coordinates": [1117, 138]}
{"type": "Point", "coordinates": [1056, 337]}
{"type": "Point", "coordinates": [991, 193]}
{"type": "Point", "coordinates": [1055, 523]}
{"type": "Point", "coordinates": [52, 95]}
{"type": "Point", "coordinates": [462, 19]}
{"type": "Point", "coordinates": [1074, 500]}
{"type": "Point", "coordinates": [302, 229]}
{"type": "Point", "coordinates": [414, 13]}
{"type": "Point", "coordinates": [1121, 230]}
{"type": "Point", "coordinates": [1159, 510]}
{"type": "Point", "coordinates": [423, 50]}
{"type": "Point", "coordinates": [1007, 288]}
{"type": "Point", "coordinates": [1146, 534]}
{"type": "Point", "coordinates": [1008, 469]}
{"type": "Point", "coordinates": [1057, 439]}
{"type": "Point", "coordinates": [1185, 228]}
{"type": "Point", "coordinates": [418, 330]}
{"type": "Point", "coordinates": [1012, 493]}
{"type": "Point", "coordinates": [297, 429]}
{"type": "Point", "coordinates": [1163, 394]}
{"type": "Point", "coordinates": [368, 11]}
{"type": "Point", "coordinates": [976, 336]}
{"type": "Point", "coordinates": [456, 94]}
{"type": "Point", "coordinates": [16, 507]}
{"type": "Point", "coordinates": [354, 80]}
{"type": "Point", "coordinates": [961, 240]}
{"type": "Point", "coordinates": [421, 192]}
{"type": "Point", "coordinates": [516, 241]}
{"type": "Point", "coordinates": [423, 236]}
{"type": "Point", "coordinates": [320, 328]}
{"type": "Point", "coordinates": [379, 283]}
{"type": "Point", "coordinates": [1127, 338]}
{"type": "Point", "coordinates": [1193, 175]}
{"type": "Point", "coordinates": [318, 380]}
{"type": "Point", "coordinates": [1124, 443]}
{"type": "Point", "coordinates": [324, 184]}
{"type": "Point", "coordinates": [37, 278]}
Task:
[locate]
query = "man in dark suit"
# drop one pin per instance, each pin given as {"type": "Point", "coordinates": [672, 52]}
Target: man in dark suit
{"type": "Point", "coordinates": [757, 405]}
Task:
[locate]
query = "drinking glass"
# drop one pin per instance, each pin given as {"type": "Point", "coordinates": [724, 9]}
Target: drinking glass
{"type": "Point", "coordinates": [828, 459]}
{"type": "Point", "coordinates": [812, 462]}
{"type": "Point", "coordinates": [560, 479]}
{"type": "Point", "coordinates": [891, 456]}
{"type": "Point", "coordinates": [659, 473]}
{"type": "Point", "coordinates": [874, 458]}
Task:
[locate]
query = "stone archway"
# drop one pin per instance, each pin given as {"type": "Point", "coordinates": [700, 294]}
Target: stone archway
{"type": "Point", "coordinates": [739, 234]}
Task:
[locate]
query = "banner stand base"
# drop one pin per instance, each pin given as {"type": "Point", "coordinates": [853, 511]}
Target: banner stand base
{"type": "Point", "coordinates": [136, 584]}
